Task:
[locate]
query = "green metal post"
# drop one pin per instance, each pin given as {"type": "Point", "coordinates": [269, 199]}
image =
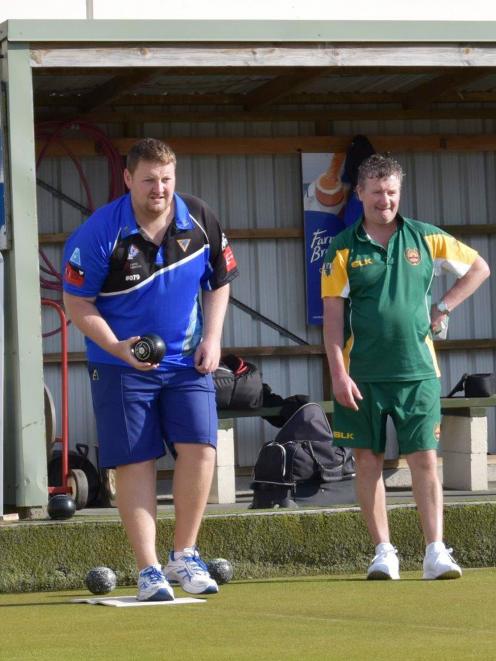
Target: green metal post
{"type": "Point", "coordinates": [25, 448]}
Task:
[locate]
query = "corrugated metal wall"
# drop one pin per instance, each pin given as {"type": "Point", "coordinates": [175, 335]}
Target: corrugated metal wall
{"type": "Point", "coordinates": [265, 191]}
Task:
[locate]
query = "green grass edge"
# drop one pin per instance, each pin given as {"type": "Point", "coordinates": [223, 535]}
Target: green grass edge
{"type": "Point", "coordinates": [38, 556]}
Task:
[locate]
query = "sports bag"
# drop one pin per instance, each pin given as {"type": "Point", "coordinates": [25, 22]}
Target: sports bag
{"type": "Point", "coordinates": [238, 384]}
{"type": "Point", "coordinates": [476, 385]}
{"type": "Point", "coordinates": [302, 452]}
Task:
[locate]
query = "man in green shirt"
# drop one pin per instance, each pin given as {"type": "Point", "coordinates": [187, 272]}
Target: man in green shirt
{"type": "Point", "coordinates": [379, 322]}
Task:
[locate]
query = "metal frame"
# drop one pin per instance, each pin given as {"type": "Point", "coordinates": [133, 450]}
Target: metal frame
{"type": "Point", "coordinates": [272, 31]}
{"type": "Point", "coordinates": [26, 480]}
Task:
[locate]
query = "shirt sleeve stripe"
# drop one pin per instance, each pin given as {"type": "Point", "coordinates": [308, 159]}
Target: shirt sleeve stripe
{"type": "Point", "coordinates": [335, 275]}
{"type": "Point", "coordinates": [430, 346]}
{"type": "Point", "coordinates": [450, 254]}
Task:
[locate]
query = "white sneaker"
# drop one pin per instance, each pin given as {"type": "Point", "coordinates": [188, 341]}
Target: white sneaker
{"type": "Point", "coordinates": [152, 585]}
{"type": "Point", "coordinates": [188, 569]}
{"type": "Point", "coordinates": [385, 566]}
{"type": "Point", "coordinates": [438, 563]}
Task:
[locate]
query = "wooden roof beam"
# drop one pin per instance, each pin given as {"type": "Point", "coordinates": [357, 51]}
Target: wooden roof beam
{"type": "Point", "coordinates": [426, 93]}
{"type": "Point", "coordinates": [114, 88]}
{"type": "Point", "coordinates": [273, 90]}
{"type": "Point", "coordinates": [110, 116]}
{"type": "Point", "coordinates": [49, 99]}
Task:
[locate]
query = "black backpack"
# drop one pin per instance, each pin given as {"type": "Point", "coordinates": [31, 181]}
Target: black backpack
{"type": "Point", "coordinates": [302, 452]}
{"type": "Point", "coordinates": [238, 384]}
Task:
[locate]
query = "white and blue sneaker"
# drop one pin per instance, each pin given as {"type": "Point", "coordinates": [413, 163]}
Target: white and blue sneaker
{"type": "Point", "coordinates": [188, 569]}
{"type": "Point", "coordinates": [153, 586]}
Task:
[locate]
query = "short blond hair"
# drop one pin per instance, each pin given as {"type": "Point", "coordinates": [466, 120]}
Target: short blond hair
{"type": "Point", "coordinates": [150, 150]}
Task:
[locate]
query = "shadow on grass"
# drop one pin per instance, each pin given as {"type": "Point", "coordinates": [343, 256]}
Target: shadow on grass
{"type": "Point", "coordinates": [325, 579]}
{"type": "Point", "coordinates": [35, 603]}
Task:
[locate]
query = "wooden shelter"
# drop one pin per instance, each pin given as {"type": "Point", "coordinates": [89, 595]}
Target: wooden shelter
{"type": "Point", "coordinates": [123, 74]}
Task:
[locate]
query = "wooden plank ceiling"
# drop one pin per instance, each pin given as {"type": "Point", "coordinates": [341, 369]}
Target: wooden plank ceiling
{"type": "Point", "coordinates": [316, 94]}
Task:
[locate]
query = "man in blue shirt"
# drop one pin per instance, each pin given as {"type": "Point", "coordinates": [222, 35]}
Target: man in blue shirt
{"type": "Point", "coordinates": [135, 267]}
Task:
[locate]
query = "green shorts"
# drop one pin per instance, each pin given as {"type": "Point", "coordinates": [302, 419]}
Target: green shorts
{"type": "Point", "coordinates": [414, 407]}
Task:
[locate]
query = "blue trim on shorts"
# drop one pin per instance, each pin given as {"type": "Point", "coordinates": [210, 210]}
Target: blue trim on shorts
{"type": "Point", "coordinates": [138, 414]}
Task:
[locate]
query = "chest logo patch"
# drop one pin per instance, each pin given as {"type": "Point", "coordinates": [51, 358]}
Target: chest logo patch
{"type": "Point", "coordinates": [183, 244]}
{"type": "Point", "coordinates": [412, 256]}
{"type": "Point", "coordinates": [358, 263]}
{"type": "Point", "coordinates": [133, 251]}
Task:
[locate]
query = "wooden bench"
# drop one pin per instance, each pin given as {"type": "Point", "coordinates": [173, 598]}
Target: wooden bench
{"type": "Point", "coordinates": [463, 445]}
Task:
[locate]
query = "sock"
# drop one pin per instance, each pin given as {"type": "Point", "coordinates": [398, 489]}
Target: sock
{"type": "Point", "coordinates": [384, 546]}
{"type": "Point", "coordinates": [189, 551]}
{"type": "Point", "coordinates": [156, 565]}
{"type": "Point", "coordinates": [434, 547]}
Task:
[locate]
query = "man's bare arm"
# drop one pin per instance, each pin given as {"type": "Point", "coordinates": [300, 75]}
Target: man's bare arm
{"type": "Point", "coordinates": [344, 388]}
{"type": "Point", "coordinates": [207, 354]}
{"type": "Point", "coordinates": [85, 316]}
{"type": "Point", "coordinates": [462, 289]}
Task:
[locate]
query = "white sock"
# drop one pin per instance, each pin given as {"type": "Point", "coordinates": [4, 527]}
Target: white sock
{"type": "Point", "coordinates": [435, 547]}
{"type": "Point", "coordinates": [189, 551]}
{"type": "Point", "coordinates": [155, 565]}
{"type": "Point", "coordinates": [384, 546]}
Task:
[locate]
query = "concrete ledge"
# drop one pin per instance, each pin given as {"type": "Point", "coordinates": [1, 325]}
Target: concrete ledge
{"type": "Point", "coordinates": [57, 555]}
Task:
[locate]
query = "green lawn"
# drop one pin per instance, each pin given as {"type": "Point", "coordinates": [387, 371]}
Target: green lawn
{"type": "Point", "coordinates": [328, 617]}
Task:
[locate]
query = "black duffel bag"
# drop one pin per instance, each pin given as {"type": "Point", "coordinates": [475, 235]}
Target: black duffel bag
{"type": "Point", "coordinates": [302, 454]}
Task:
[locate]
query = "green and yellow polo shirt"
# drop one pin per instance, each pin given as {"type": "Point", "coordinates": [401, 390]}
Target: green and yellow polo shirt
{"type": "Point", "coordinates": [387, 294]}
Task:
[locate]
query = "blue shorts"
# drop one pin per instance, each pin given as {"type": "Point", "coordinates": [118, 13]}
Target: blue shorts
{"type": "Point", "coordinates": [139, 413]}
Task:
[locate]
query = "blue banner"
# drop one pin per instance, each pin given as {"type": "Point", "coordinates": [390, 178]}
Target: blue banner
{"type": "Point", "coordinates": [324, 200]}
{"type": "Point", "coordinates": [319, 230]}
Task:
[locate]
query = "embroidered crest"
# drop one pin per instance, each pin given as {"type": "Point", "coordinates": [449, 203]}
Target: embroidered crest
{"type": "Point", "coordinates": [94, 375]}
{"type": "Point", "coordinates": [76, 257]}
{"type": "Point", "coordinates": [412, 256]}
{"type": "Point", "coordinates": [183, 244]}
{"type": "Point", "coordinates": [132, 252]}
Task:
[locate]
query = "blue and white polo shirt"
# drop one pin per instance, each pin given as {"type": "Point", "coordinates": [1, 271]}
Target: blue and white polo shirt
{"type": "Point", "coordinates": [144, 288]}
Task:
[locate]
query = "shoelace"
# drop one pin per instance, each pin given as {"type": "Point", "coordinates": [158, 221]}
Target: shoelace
{"type": "Point", "coordinates": [153, 575]}
{"type": "Point", "coordinates": [196, 564]}
{"type": "Point", "coordinates": [382, 554]}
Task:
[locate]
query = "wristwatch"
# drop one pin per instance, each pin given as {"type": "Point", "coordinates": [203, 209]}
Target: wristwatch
{"type": "Point", "coordinates": [442, 307]}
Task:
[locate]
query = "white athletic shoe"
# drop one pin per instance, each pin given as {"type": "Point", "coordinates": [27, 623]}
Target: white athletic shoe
{"type": "Point", "coordinates": [385, 566]}
{"type": "Point", "coordinates": [188, 569]}
{"type": "Point", "coordinates": [152, 585]}
{"type": "Point", "coordinates": [439, 564]}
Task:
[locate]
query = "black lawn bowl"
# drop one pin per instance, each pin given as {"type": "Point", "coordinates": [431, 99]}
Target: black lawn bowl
{"type": "Point", "coordinates": [220, 570]}
{"type": "Point", "coordinates": [149, 348]}
{"type": "Point", "coordinates": [100, 580]}
{"type": "Point", "coordinates": [61, 506]}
